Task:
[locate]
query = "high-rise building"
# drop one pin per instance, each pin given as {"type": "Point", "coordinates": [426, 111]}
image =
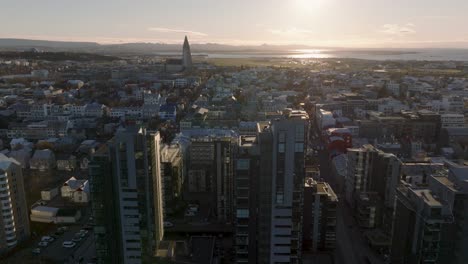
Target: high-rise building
{"type": "Point", "coordinates": [186, 55]}
{"type": "Point", "coordinates": [419, 220]}
{"type": "Point", "coordinates": [268, 191]}
{"type": "Point", "coordinates": [14, 223]}
{"type": "Point", "coordinates": [246, 199]}
{"type": "Point", "coordinates": [371, 181]}
{"type": "Point", "coordinates": [359, 164]}
{"type": "Point", "coordinates": [451, 188]}
{"type": "Point", "coordinates": [319, 227]}
{"type": "Point", "coordinates": [127, 197]}
{"type": "Point", "coordinates": [210, 169]}
{"type": "Point", "coordinates": [281, 187]}
{"type": "Point", "coordinates": [172, 173]}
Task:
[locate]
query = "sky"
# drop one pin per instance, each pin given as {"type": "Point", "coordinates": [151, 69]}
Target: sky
{"type": "Point", "coordinates": [318, 23]}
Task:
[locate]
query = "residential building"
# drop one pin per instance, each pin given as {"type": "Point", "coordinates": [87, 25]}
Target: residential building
{"type": "Point", "coordinates": [246, 204]}
{"type": "Point", "coordinates": [319, 224]}
{"type": "Point", "coordinates": [14, 223]}
{"type": "Point", "coordinates": [127, 197]}
{"type": "Point", "coordinates": [281, 186]}
{"type": "Point", "coordinates": [173, 174]}
{"type": "Point", "coordinates": [43, 160]}
{"type": "Point", "coordinates": [452, 120]}
{"type": "Point", "coordinates": [211, 169]}
{"type": "Point", "coordinates": [419, 221]}
{"type": "Point", "coordinates": [76, 190]}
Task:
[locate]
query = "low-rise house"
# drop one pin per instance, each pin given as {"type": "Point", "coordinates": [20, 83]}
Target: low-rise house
{"type": "Point", "coordinates": [43, 160]}
{"type": "Point", "coordinates": [76, 190]}
{"type": "Point", "coordinates": [95, 110]}
{"type": "Point", "coordinates": [67, 164]}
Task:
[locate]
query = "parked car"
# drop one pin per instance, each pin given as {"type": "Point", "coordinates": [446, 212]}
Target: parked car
{"type": "Point", "coordinates": [84, 231]}
{"type": "Point", "coordinates": [43, 244]}
{"type": "Point", "coordinates": [68, 244]}
{"type": "Point", "coordinates": [189, 213]}
{"type": "Point", "coordinates": [168, 224]}
{"type": "Point", "coordinates": [36, 251]}
{"type": "Point", "coordinates": [48, 239]}
{"type": "Point", "coordinates": [77, 238]}
{"type": "Point", "coordinates": [193, 208]}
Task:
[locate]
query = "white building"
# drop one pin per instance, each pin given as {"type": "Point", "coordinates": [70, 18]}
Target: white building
{"type": "Point", "coordinates": [14, 222]}
{"type": "Point", "coordinates": [325, 119]}
{"type": "Point", "coordinates": [76, 190]}
{"type": "Point", "coordinates": [393, 88]}
{"type": "Point", "coordinates": [452, 120]}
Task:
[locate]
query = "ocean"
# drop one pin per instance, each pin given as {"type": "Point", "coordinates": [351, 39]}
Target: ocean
{"type": "Point", "coordinates": [371, 54]}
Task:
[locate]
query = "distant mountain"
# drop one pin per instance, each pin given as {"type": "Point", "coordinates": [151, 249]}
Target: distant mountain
{"type": "Point", "coordinates": [29, 43]}
{"type": "Point", "coordinates": [138, 48]}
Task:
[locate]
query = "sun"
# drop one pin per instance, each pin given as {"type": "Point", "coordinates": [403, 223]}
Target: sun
{"type": "Point", "coordinates": [308, 6]}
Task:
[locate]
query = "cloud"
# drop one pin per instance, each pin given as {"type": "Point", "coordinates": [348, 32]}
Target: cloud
{"type": "Point", "coordinates": [173, 30]}
{"type": "Point", "coordinates": [290, 31]}
{"type": "Point", "coordinates": [395, 29]}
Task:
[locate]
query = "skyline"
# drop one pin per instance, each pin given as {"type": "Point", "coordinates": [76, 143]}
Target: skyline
{"type": "Point", "coordinates": [347, 24]}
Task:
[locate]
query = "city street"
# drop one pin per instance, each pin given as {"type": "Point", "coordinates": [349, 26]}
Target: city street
{"type": "Point", "coordinates": [56, 253]}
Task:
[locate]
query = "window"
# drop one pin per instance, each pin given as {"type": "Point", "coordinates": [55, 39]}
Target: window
{"type": "Point", "coordinates": [243, 164]}
{"type": "Point", "coordinates": [282, 136]}
{"type": "Point", "coordinates": [281, 148]}
{"type": "Point", "coordinates": [300, 133]}
{"type": "Point", "coordinates": [299, 147]}
{"type": "Point", "coordinates": [279, 197]}
{"type": "Point", "coordinates": [242, 213]}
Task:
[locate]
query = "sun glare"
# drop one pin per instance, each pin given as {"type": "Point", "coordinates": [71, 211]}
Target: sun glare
{"type": "Point", "coordinates": [308, 5]}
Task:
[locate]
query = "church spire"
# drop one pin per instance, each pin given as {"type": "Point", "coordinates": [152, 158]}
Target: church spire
{"type": "Point", "coordinates": [186, 55]}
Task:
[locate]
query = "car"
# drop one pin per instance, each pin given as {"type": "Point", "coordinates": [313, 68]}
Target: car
{"type": "Point", "coordinates": [189, 213]}
{"type": "Point", "coordinates": [193, 208]}
{"type": "Point", "coordinates": [77, 239]}
{"type": "Point", "coordinates": [87, 227]}
{"type": "Point", "coordinates": [36, 251]}
{"type": "Point", "coordinates": [168, 224]}
{"type": "Point", "coordinates": [84, 231]}
{"type": "Point", "coordinates": [48, 239]}
{"type": "Point", "coordinates": [43, 244]}
{"type": "Point", "coordinates": [68, 244]}
{"type": "Point", "coordinates": [63, 228]}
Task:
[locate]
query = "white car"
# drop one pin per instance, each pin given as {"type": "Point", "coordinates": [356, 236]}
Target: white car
{"type": "Point", "coordinates": [189, 213]}
{"type": "Point", "coordinates": [84, 231]}
{"type": "Point", "coordinates": [47, 239]}
{"type": "Point", "coordinates": [168, 224]}
{"type": "Point", "coordinates": [43, 244]}
{"type": "Point", "coordinates": [192, 208]}
{"type": "Point", "coordinates": [36, 251]}
{"type": "Point", "coordinates": [68, 244]}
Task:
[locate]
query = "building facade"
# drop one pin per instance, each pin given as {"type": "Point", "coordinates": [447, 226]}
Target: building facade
{"type": "Point", "coordinates": [14, 223]}
{"type": "Point", "coordinates": [127, 197]}
{"type": "Point", "coordinates": [319, 227]}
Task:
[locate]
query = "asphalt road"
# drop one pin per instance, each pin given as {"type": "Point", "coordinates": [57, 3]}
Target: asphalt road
{"type": "Point", "coordinates": [56, 253]}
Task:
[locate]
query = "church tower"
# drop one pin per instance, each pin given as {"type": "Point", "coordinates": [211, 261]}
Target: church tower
{"type": "Point", "coordinates": [186, 55]}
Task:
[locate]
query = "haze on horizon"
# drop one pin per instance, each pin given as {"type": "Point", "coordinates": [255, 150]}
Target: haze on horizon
{"type": "Point", "coordinates": [320, 23]}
